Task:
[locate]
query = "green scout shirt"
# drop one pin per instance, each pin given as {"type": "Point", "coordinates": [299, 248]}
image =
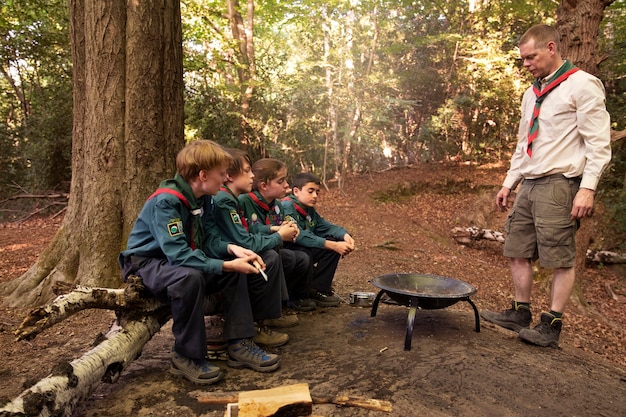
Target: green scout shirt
{"type": "Point", "coordinates": [313, 227]}
{"type": "Point", "coordinates": [260, 214]}
{"type": "Point", "coordinates": [228, 217]}
{"type": "Point", "coordinates": [167, 228]}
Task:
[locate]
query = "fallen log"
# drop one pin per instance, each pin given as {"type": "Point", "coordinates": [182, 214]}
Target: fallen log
{"type": "Point", "coordinates": [467, 235]}
{"type": "Point", "coordinates": [139, 317]}
{"type": "Point", "coordinates": [216, 398]}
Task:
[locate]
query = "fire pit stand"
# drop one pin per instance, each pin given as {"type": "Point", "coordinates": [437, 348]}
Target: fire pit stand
{"type": "Point", "coordinates": [426, 292]}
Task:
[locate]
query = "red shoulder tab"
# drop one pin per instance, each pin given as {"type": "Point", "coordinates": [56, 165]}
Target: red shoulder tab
{"type": "Point", "coordinates": [172, 192]}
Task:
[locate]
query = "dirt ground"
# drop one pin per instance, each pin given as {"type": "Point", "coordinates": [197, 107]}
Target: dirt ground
{"type": "Point", "coordinates": [401, 220]}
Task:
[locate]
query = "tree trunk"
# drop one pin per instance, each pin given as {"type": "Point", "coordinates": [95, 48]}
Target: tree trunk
{"type": "Point", "coordinates": [243, 34]}
{"type": "Point", "coordinates": [127, 129]}
{"type": "Point", "coordinates": [579, 24]}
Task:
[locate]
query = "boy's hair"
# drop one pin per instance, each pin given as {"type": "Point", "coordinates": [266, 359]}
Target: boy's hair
{"type": "Point", "coordinates": [198, 155]}
{"type": "Point", "coordinates": [265, 170]}
{"type": "Point", "coordinates": [542, 34]}
{"type": "Point", "coordinates": [303, 178]}
{"type": "Point", "coordinates": [239, 159]}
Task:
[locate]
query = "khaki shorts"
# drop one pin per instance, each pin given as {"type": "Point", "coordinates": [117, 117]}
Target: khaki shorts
{"type": "Point", "coordinates": [539, 226]}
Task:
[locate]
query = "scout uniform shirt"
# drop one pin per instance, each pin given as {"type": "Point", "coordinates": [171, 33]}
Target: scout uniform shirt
{"type": "Point", "coordinates": [259, 213]}
{"type": "Point", "coordinates": [313, 227]}
{"type": "Point", "coordinates": [165, 228]}
{"type": "Point", "coordinates": [228, 217]}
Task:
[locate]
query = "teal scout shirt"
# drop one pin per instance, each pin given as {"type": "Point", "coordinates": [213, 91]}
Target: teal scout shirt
{"type": "Point", "coordinates": [228, 217]}
{"type": "Point", "coordinates": [164, 227]}
{"type": "Point", "coordinates": [260, 214]}
{"type": "Point", "coordinates": [313, 227]}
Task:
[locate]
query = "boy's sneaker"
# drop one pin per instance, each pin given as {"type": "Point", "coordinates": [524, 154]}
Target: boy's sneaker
{"type": "Point", "coordinates": [269, 338]}
{"type": "Point", "coordinates": [286, 320]}
{"type": "Point", "coordinates": [546, 333]}
{"type": "Point", "coordinates": [246, 354]}
{"type": "Point", "coordinates": [302, 305]}
{"type": "Point", "coordinates": [196, 370]}
{"type": "Point", "coordinates": [514, 318]}
{"type": "Point", "coordinates": [325, 298]}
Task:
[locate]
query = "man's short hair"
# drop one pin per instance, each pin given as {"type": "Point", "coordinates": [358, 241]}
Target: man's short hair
{"type": "Point", "coordinates": [542, 35]}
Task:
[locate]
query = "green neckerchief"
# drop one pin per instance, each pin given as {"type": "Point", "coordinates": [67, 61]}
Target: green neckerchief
{"type": "Point", "coordinates": [179, 184]}
{"type": "Point", "coordinates": [560, 75]}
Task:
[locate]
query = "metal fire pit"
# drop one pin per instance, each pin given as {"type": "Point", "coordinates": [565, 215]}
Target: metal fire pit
{"type": "Point", "coordinates": [426, 292]}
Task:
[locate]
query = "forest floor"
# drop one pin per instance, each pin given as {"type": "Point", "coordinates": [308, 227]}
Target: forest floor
{"type": "Point", "coordinates": [401, 220]}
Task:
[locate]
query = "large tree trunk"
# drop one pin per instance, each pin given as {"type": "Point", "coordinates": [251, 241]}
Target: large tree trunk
{"type": "Point", "coordinates": [579, 24]}
{"type": "Point", "coordinates": [128, 127]}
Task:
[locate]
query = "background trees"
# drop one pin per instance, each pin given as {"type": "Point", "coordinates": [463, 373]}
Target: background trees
{"type": "Point", "coordinates": [337, 87]}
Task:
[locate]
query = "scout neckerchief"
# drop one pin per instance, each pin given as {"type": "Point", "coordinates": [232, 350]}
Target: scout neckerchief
{"type": "Point", "coordinates": [561, 75]}
{"type": "Point", "coordinates": [242, 218]}
{"type": "Point", "coordinates": [274, 214]}
{"type": "Point", "coordinates": [302, 211]}
{"type": "Point", "coordinates": [181, 189]}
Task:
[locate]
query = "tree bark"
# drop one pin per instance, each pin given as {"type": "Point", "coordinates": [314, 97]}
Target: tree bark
{"type": "Point", "coordinates": [127, 129]}
{"type": "Point", "coordinates": [579, 24]}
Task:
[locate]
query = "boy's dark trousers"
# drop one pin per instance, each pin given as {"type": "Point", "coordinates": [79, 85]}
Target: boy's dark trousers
{"type": "Point", "coordinates": [296, 265]}
{"type": "Point", "coordinates": [185, 289]}
{"type": "Point", "coordinates": [324, 263]}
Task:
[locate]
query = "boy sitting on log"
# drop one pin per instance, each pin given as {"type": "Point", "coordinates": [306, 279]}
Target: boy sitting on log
{"type": "Point", "coordinates": [325, 242]}
{"type": "Point", "coordinates": [180, 260]}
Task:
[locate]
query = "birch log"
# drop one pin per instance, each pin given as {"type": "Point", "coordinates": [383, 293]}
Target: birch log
{"type": "Point", "coordinates": [138, 319]}
{"type": "Point", "coordinates": [467, 235]}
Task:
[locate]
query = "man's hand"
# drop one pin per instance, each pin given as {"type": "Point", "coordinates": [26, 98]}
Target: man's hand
{"type": "Point", "coordinates": [583, 203]}
{"type": "Point", "coordinates": [502, 199]}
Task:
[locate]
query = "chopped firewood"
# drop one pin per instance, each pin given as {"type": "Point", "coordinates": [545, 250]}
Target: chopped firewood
{"type": "Point", "coordinates": [214, 397]}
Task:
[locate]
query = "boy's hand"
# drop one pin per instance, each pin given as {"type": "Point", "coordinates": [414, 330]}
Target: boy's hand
{"type": "Point", "coordinates": [348, 239]}
{"type": "Point", "coordinates": [342, 248]}
{"type": "Point", "coordinates": [242, 265]}
{"type": "Point", "coordinates": [241, 252]}
{"type": "Point", "coordinates": [288, 231]}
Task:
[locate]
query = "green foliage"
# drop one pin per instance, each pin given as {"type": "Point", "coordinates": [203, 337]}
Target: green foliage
{"type": "Point", "coordinates": [36, 95]}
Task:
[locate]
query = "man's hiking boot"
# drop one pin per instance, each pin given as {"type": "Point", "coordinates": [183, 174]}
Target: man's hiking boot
{"type": "Point", "coordinates": [325, 298]}
{"type": "Point", "coordinates": [516, 318]}
{"type": "Point", "coordinates": [269, 338]}
{"type": "Point", "coordinates": [196, 370]}
{"type": "Point", "coordinates": [546, 333]}
{"type": "Point", "coordinates": [286, 320]}
{"type": "Point", "coordinates": [246, 354]}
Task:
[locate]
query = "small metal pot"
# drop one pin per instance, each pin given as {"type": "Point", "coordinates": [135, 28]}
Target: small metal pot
{"type": "Point", "coordinates": [362, 299]}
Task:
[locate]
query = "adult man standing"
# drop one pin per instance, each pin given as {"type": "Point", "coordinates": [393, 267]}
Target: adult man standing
{"type": "Point", "coordinates": [563, 147]}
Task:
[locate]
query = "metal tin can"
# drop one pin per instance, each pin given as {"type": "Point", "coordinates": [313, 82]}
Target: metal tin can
{"type": "Point", "coordinates": [362, 299]}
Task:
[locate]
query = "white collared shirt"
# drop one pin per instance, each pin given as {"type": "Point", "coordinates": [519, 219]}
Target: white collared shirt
{"type": "Point", "coordinates": [574, 137]}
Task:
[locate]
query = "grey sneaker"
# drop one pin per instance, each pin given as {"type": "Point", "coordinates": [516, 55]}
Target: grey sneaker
{"type": "Point", "coordinates": [246, 354]}
{"type": "Point", "coordinates": [196, 370]}
{"type": "Point", "coordinates": [514, 318]}
{"type": "Point", "coordinates": [546, 333]}
{"type": "Point", "coordinates": [269, 338]}
{"type": "Point", "coordinates": [325, 298]}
